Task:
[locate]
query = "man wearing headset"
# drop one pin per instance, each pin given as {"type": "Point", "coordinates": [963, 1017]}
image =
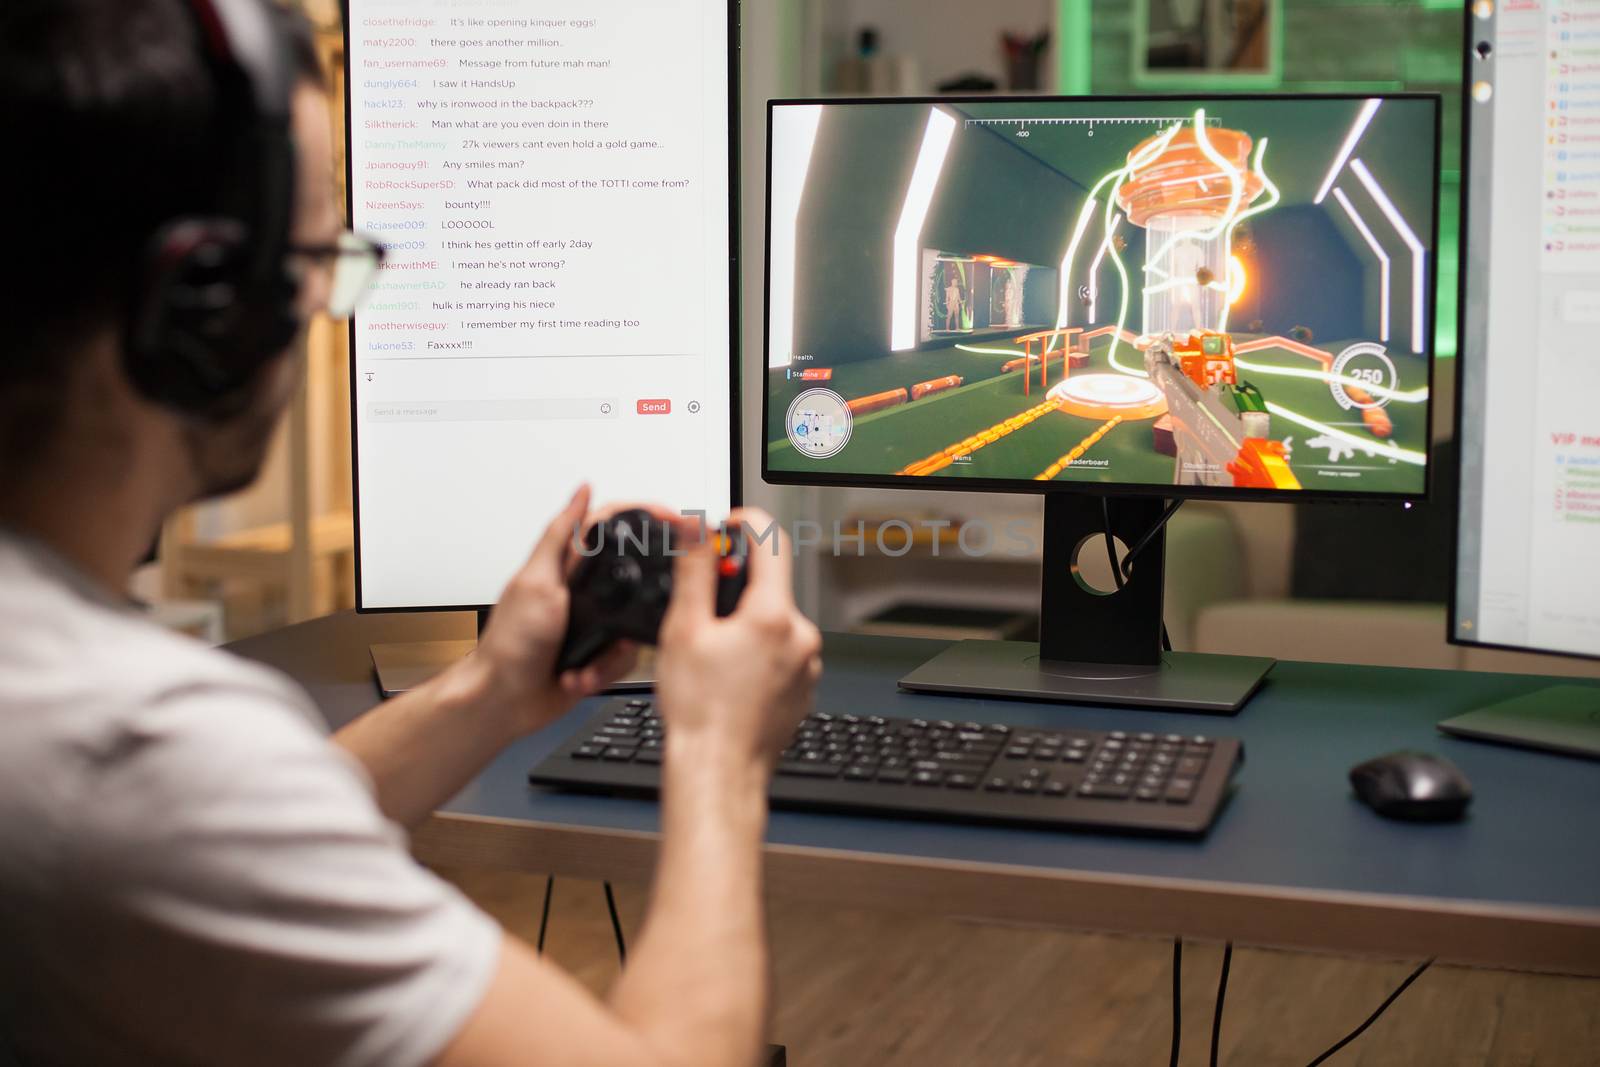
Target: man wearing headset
{"type": "Point", "coordinates": [190, 872]}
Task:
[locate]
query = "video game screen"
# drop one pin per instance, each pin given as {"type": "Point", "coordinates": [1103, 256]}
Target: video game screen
{"type": "Point", "coordinates": [1227, 294]}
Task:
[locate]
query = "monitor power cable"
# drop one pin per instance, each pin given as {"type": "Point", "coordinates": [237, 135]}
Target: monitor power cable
{"type": "Point", "coordinates": [1121, 574]}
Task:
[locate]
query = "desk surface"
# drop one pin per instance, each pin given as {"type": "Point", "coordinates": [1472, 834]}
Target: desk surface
{"type": "Point", "coordinates": [1294, 859]}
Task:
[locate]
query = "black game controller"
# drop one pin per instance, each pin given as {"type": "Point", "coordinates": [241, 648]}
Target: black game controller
{"type": "Point", "coordinates": [620, 589]}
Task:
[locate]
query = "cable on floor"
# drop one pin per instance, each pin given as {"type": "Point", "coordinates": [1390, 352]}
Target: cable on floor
{"type": "Point", "coordinates": [1177, 998]}
{"type": "Point", "coordinates": [544, 913]}
{"type": "Point", "coordinates": [1222, 992]}
{"type": "Point", "coordinates": [1358, 1031]}
{"type": "Point", "coordinates": [616, 924]}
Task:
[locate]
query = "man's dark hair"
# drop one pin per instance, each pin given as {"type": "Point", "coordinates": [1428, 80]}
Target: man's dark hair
{"type": "Point", "coordinates": [109, 112]}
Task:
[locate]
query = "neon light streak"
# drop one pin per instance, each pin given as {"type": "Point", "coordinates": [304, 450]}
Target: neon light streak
{"type": "Point", "coordinates": [1414, 396]}
{"type": "Point", "coordinates": [1094, 268]}
{"type": "Point", "coordinates": [1366, 444]}
{"type": "Point", "coordinates": [1357, 128]}
{"type": "Point", "coordinates": [794, 138]}
{"type": "Point", "coordinates": [908, 234]}
{"type": "Point", "coordinates": [999, 351]}
{"type": "Point", "coordinates": [1064, 298]}
{"type": "Point", "coordinates": [1383, 261]}
{"type": "Point", "coordinates": [1418, 253]}
{"type": "Point", "coordinates": [1237, 279]}
{"type": "Point", "coordinates": [1273, 196]}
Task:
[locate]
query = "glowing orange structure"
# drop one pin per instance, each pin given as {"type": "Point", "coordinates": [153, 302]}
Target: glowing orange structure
{"type": "Point", "coordinates": [1187, 197]}
{"type": "Point", "coordinates": [1184, 180]}
{"type": "Point", "coordinates": [1206, 358]}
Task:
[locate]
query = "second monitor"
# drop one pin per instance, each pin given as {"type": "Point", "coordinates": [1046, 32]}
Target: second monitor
{"type": "Point", "coordinates": [1167, 296]}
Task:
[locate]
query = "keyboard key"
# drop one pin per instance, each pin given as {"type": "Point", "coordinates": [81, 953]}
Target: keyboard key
{"type": "Point", "coordinates": [927, 777]}
{"type": "Point", "coordinates": [997, 784]}
{"type": "Point", "coordinates": [1147, 794]}
{"type": "Point", "coordinates": [1053, 788]}
{"type": "Point", "coordinates": [587, 752]}
{"type": "Point", "coordinates": [999, 729]}
{"type": "Point", "coordinates": [638, 703]}
{"type": "Point", "coordinates": [1027, 785]}
{"type": "Point", "coordinates": [961, 781]}
{"type": "Point", "coordinates": [1073, 755]}
{"type": "Point", "coordinates": [1017, 753]}
{"type": "Point", "coordinates": [618, 754]}
{"type": "Point", "coordinates": [1105, 791]}
{"type": "Point", "coordinates": [893, 775]}
{"type": "Point", "coordinates": [859, 773]}
{"type": "Point", "coordinates": [807, 769]}
{"type": "Point", "coordinates": [651, 756]}
{"type": "Point", "coordinates": [1190, 767]}
{"type": "Point", "coordinates": [1181, 791]}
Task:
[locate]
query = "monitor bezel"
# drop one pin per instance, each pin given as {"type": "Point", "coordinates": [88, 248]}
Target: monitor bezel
{"type": "Point", "coordinates": [735, 318]}
{"type": "Point", "coordinates": [1470, 66]}
{"type": "Point", "coordinates": [1020, 487]}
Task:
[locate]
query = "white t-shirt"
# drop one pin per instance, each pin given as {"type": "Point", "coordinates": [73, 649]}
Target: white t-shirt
{"type": "Point", "coordinates": [190, 871]}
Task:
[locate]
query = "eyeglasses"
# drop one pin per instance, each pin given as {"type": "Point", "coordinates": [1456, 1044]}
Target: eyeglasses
{"type": "Point", "coordinates": [357, 259]}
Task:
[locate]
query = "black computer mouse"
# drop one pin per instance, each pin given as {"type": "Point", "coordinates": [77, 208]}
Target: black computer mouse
{"type": "Point", "coordinates": [1412, 785]}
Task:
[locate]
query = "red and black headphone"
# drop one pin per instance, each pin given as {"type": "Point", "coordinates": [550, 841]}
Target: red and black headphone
{"type": "Point", "coordinates": [216, 300]}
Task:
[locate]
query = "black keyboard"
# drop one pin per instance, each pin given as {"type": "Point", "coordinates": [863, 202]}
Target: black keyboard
{"type": "Point", "coordinates": [1118, 781]}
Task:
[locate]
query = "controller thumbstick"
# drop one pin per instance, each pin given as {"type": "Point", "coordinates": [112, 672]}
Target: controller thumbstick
{"type": "Point", "coordinates": [617, 588]}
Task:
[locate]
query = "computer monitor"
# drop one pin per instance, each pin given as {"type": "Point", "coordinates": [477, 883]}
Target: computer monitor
{"type": "Point", "coordinates": [1528, 544]}
{"type": "Point", "coordinates": [1118, 299]}
{"type": "Point", "coordinates": [555, 184]}
{"type": "Point", "coordinates": [1528, 377]}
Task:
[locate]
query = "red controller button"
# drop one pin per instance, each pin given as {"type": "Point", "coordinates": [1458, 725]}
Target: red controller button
{"type": "Point", "coordinates": [654, 407]}
{"type": "Point", "coordinates": [729, 566]}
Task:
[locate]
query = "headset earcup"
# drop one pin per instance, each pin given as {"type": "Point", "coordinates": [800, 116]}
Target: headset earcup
{"type": "Point", "coordinates": [185, 318]}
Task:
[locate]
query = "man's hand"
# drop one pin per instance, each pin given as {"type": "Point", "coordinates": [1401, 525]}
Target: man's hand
{"type": "Point", "coordinates": [742, 682]}
{"type": "Point", "coordinates": [513, 671]}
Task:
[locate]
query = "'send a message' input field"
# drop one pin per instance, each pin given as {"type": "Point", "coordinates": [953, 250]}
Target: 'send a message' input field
{"type": "Point", "coordinates": [507, 410]}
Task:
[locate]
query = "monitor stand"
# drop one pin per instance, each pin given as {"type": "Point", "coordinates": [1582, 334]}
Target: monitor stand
{"type": "Point", "coordinates": [1095, 647]}
{"type": "Point", "coordinates": [404, 666]}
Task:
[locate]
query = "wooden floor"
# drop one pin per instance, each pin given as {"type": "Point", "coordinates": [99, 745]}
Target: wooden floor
{"type": "Point", "coordinates": [869, 989]}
